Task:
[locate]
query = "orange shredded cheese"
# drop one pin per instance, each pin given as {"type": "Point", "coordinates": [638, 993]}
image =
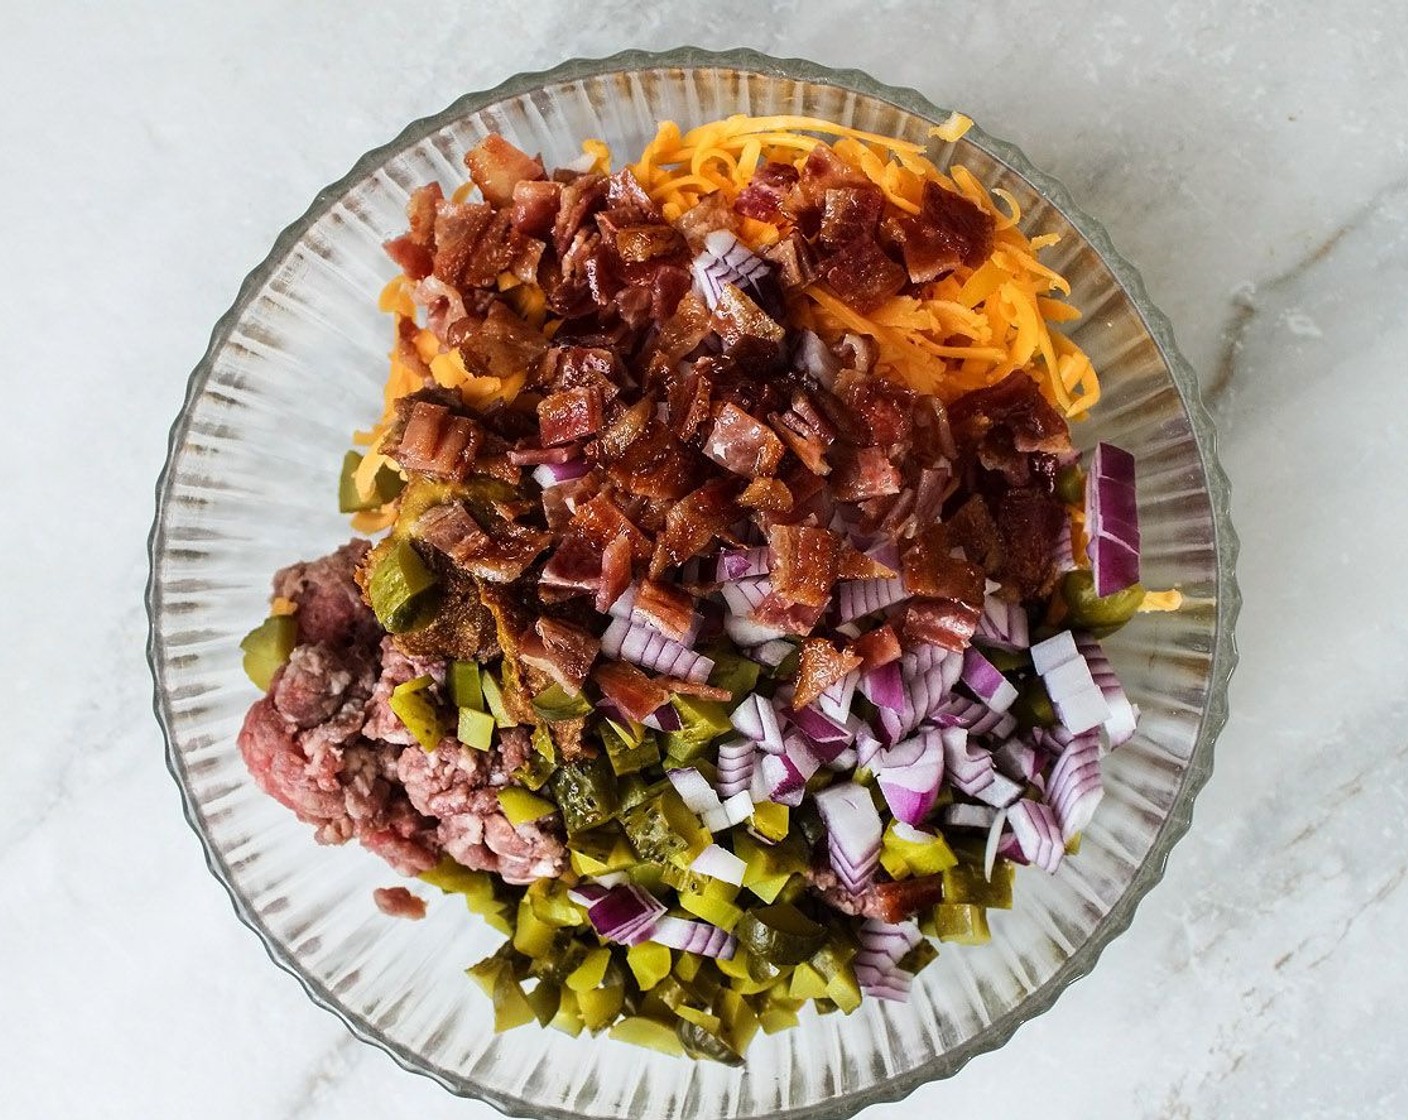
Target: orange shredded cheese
{"type": "Point", "coordinates": [278, 605]}
{"type": "Point", "coordinates": [1159, 601]}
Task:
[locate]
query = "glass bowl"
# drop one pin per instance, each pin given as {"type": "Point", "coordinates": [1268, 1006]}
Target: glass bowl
{"type": "Point", "coordinates": [297, 363]}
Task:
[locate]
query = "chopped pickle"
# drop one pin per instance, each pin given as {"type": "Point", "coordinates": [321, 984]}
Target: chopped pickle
{"type": "Point", "coordinates": [600, 1006]}
{"type": "Point", "coordinates": [771, 888]}
{"type": "Point", "coordinates": [780, 934]}
{"type": "Point", "coordinates": [665, 830]}
{"type": "Point", "coordinates": [1070, 485]}
{"type": "Point", "coordinates": [532, 936]}
{"type": "Point", "coordinates": [535, 770]}
{"type": "Point", "coordinates": [739, 1020]}
{"type": "Point", "coordinates": [414, 708]}
{"type": "Point", "coordinates": [681, 878]}
{"type": "Point", "coordinates": [569, 1017]}
{"type": "Point", "coordinates": [1033, 708]}
{"type": "Point", "coordinates": [585, 792]}
{"type": "Point", "coordinates": [965, 883]}
{"type": "Point", "coordinates": [903, 858]}
{"type": "Point", "coordinates": [649, 963]}
{"type": "Point", "coordinates": [591, 972]}
{"type": "Point", "coordinates": [834, 957]}
{"type": "Point", "coordinates": [544, 1000]}
{"type": "Point", "coordinates": [640, 1031]}
{"type": "Point", "coordinates": [399, 587]}
{"type": "Point", "coordinates": [766, 867]}
{"type": "Point", "coordinates": [701, 722]}
{"type": "Point", "coordinates": [770, 821]}
{"type": "Point", "coordinates": [485, 973]}
{"type": "Point", "coordinates": [555, 703]}
{"type": "Point", "coordinates": [776, 1019]}
{"type": "Point", "coordinates": [475, 729]}
{"type": "Point", "coordinates": [633, 789]}
{"type": "Point", "coordinates": [387, 484]}
{"type": "Point", "coordinates": [1008, 660]}
{"type": "Point", "coordinates": [716, 911]}
{"type": "Point", "coordinates": [700, 1018]}
{"type": "Point", "coordinates": [550, 902]}
{"type": "Point", "coordinates": [520, 806]}
{"type": "Point", "coordinates": [1101, 615]}
{"type": "Point", "coordinates": [919, 958]}
{"type": "Point", "coordinates": [267, 647]}
{"type": "Point", "coordinates": [1073, 845]}
{"type": "Point", "coordinates": [600, 851]}
{"type": "Point", "coordinates": [806, 983]}
{"type": "Point", "coordinates": [709, 1046]}
{"type": "Point", "coordinates": [734, 672]}
{"type": "Point", "coordinates": [494, 700]}
{"type": "Point", "coordinates": [688, 966]}
{"type": "Point", "coordinates": [963, 922]}
{"type": "Point", "coordinates": [466, 691]}
{"type": "Point", "coordinates": [626, 756]}
{"type": "Point", "coordinates": [843, 990]}
{"type": "Point", "coordinates": [511, 1006]}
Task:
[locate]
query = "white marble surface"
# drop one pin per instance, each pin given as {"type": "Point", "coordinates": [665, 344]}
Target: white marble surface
{"type": "Point", "coordinates": [1252, 159]}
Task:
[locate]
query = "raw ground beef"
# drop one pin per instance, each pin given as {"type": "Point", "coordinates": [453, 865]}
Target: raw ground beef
{"type": "Point", "coordinates": [325, 743]}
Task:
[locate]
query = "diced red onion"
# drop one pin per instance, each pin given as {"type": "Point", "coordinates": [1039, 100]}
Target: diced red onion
{"type": "Point", "coordinates": [737, 757]}
{"type": "Point", "coordinates": [969, 767]}
{"type": "Point", "coordinates": [1075, 788]}
{"type": "Point", "coordinates": [715, 820]}
{"type": "Point", "coordinates": [975, 717]}
{"type": "Point", "coordinates": [785, 775]}
{"type": "Point", "coordinates": [867, 746]}
{"type": "Point", "coordinates": [745, 563]}
{"type": "Point", "coordinates": [719, 863]}
{"type": "Point", "coordinates": [626, 914]}
{"type": "Point", "coordinates": [743, 596]}
{"type": "Point", "coordinates": [1055, 650]}
{"type": "Point", "coordinates": [835, 700]}
{"type": "Point", "coordinates": [1009, 849]}
{"type": "Point", "coordinates": [727, 261]}
{"type": "Point", "coordinates": [1112, 519]}
{"type": "Point", "coordinates": [1001, 791]}
{"type": "Point", "coordinates": [1064, 551]}
{"type": "Point", "coordinates": [549, 475]}
{"type": "Point", "coordinates": [969, 816]}
{"type": "Point", "coordinates": [856, 598]}
{"type": "Point", "coordinates": [1016, 759]}
{"type": "Point", "coordinates": [1083, 710]}
{"type": "Point", "coordinates": [772, 653]}
{"type": "Point", "coordinates": [587, 894]}
{"type": "Point", "coordinates": [1004, 624]}
{"type": "Point", "coordinates": [745, 632]}
{"type": "Point", "coordinates": [1124, 716]}
{"type": "Point", "coordinates": [738, 808]}
{"type": "Point", "coordinates": [1038, 833]}
{"type": "Point", "coordinates": [883, 686]}
{"type": "Point", "coordinates": [844, 762]}
{"type": "Point", "coordinates": [691, 936]}
{"type": "Point", "coordinates": [986, 681]}
{"type": "Point", "coordinates": [814, 357]}
{"type": "Point", "coordinates": [911, 787]}
{"type": "Point", "coordinates": [999, 825]}
{"type": "Point", "coordinates": [664, 718]}
{"type": "Point", "coordinates": [882, 946]}
{"type": "Point", "coordinates": [756, 719]}
{"type": "Point", "coordinates": [853, 832]}
{"type": "Point", "coordinates": [650, 649]}
{"type": "Point", "coordinates": [694, 789]}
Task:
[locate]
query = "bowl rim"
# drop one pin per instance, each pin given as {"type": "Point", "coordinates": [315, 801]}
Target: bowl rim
{"type": "Point", "coordinates": [1223, 655]}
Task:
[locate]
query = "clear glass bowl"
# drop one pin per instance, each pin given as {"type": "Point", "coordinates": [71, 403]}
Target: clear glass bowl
{"type": "Point", "coordinates": [297, 364]}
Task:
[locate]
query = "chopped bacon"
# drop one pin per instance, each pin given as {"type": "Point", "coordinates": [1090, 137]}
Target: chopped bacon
{"type": "Point", "coordinates": [857, 565]}
{"type": "Point", "coordinates": [1029, 524]}
{"type": "Point", "coordinates": [693, 522]}
{"type": "Point", "coordinates": [768, 494]}
{"type": "Point", "coordinates": [973, 529]}
{"type": "Point", "coordinates": [435, 441]}
{"type": "Point", "coordinates": [807, 433]}
{"type": "Point", "coordinates": [398, 902]}
{"type": "Point", "coordinates": [459, 227]}
{"type": "Point", "coordinates": [503, 345]}
{"type": "Point", "coordinates": [948, 231]}
{"type": "Point", "coordinates": [940, 622]}
{"type": "Point", "coordinates": [862, 275]}
{"type": "Point", "coordinates": [783, 614]}
{"type": "Point", "coordinates": [500, 557]}
{"type": "Point", "coordinates": [804, 563]}
{"type": "Point", "coordinates": [882, 409]}
{"type": "Point", "coordinates": [686, 328]}
{"type": "Point", "coordinates": [569, 652]}
{"type": "Point", "coordinates": [630, 689]}
{"type": "Point", "coordinates": [1014, 403]}
{"type": "Point", "coordinates": [689, 399]}
{"type": "Point", "coordinates": [629, 200]}
{"type": "Point", "coordinates": [876, 647]}
{"type": "Point", "coordinates": [571, 367]}
{"type": "Point", "coordinates": [657, 465]}
{"type": "Point", "coordinates": [669, 284]}
{"type": "Point", "coordinates": [823, 170]}
{"type": "Point", "coordinates": [615, 572]}
{"type": "Point", "coordinates": [748, 333]}
{"type": "Point", "coordinates": [866, 473]}
{"type": "Point", "coordinates": [695, 688]}
{"type": "Point", "coordinates": [668, 606]}
{"type": "Point", "coordinates": [420, 215]}
{"type": "Point", "coordinates": [570, 415]}
{"type": "Point", "coordinates": [710, 213]}
{"type": "Point", "coordinates": [849, 213]}
{"type": "Point", "coordinates": [762, 197]}
{"type": "Point", "coordinates": [496, 167]}
{"type": "Point", "coordinates": [535, 204]}
{"type": "Point", "coordinates": [930, 569]}
{"type": "Point", "coordinates": [820, 666]}
{"type": "Point", "coordinates": [796, 263]}
{"type": "Point", "coordinates": [623, 431]}
{"type": "Point", "coordinates": [644, 243]}
{"type": "Point", "coordinates": [742, 444]}
{"type": "Point", "coordinates": [416, 261]}
{"type": "Point", "coordinates": [896, 901]}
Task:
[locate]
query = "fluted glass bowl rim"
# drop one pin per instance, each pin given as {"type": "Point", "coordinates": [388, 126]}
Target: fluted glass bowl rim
{"type": "Point", "coordinates": [1224, 653]}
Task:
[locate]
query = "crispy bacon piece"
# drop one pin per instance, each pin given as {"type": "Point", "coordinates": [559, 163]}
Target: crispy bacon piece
{"type": "Point", "coordinates": [857, 565]}
{"type": "Point", "coordinates": [876, 647]}
{"type": "Point", "coordinates": [569, 652]}
{"type": "Point", "coordinates": [695, 688]}
{"type": "Point", "coordinates": [459, 227]}
{"type": "Point", "coordinates": [823, 170]}
{"type": "Point", "coordinates": [947, 232]}
{"type": "Point", "coordinates": [615, 572]}
{"type": "Point", "coordinates": [807, 433]}
{"type": "Point", "coordinates": [881, 409]}
{"type": "Point", "coordinates": [693, 522]}
{"type": "Point", "coordinates": [896, 901]}
{"type": "Point", "coordinates": [768, 494]}
{"type": "Point", "coordinates": [572, 367]}
{"type": "Point", "coordinates": [849, 213]}
{"type": "Point", "coordinates": [534, 209]}
{"type": "Point", "coordinates": [862, 275]}
{"type": "Point", "coordinates": [635, 244]}
{"type": "Point", "coordinates": [1014, 403]}
{"type": "Point", "coordinates": [689, 398]}
{"type": "Point", "coordinates": [628, 200]}
{"type": "Point", "coordinates": [579, 563]}
{"type": "Point", "coordinates": [742, 444]}
{"type": "Point", "coordinates": [657, 465]}
{"type": "Point", "coordinates": [796, 263]}
{"type": "Point", "coordinates": [805, 562]}
{"type": "Point", "coordinates": [435, 441]}
{"type": "Point", "coordinates": [710, 213]}
{"type": "Point", "coordinates": [500, 557]}
{"type": "Point", "coordinates": [973, 529]}
{"type": "Point", "coordinates": [570, 415]}
{"type": "Point", "coordinates": [581, 198]}
{"type": "Point", "coordinates": [669, 607]}
{"type": "Point", "coordinates": [497, 167]}
{"type": "Point", "coordinates": [414, 260]}
{"type": "Point", "coordinates": [1029, 524]}
{"type": "Point", "coordinates": [414, 252]}
{"type": "Point", "coordinates": [624, 429]}
{"type": "Point", "coordinates": [940, 622]}
{"type": "Point", "coordinates": [820, 666]}
{"type": "Point", "coordinates": [686, 328]}
{"type": "Point", "coordinates": [748, 333]}
{"type": "Point", "coordinates": [929, 569]}
{"type": "Point", "coordinates": [762, 197]}
{"type": "Point", "coordinates": [783, 614]}
{"type": "Point", "coordinates": [630, 689]}
{"type": "Point", "coordinates": [503, 345]}
{"type": "Point", "coordinates": [866, 472]}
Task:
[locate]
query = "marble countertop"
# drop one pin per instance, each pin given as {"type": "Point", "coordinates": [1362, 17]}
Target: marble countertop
{"type": "Point", "coordinates": [1251, 159]}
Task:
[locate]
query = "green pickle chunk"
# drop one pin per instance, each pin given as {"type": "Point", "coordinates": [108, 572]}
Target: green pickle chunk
{"type": "Point", "coordinates": [399, 587]}
{"type": "Point", "coordinates": [267, 647]}
{"type": "Point", "coordinates": [1089, 611]}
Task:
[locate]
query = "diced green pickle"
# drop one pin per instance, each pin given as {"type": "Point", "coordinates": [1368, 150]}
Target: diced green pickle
{"type": "Point", "coordinates": [466, 691]}
{"type": "Point", "coordinates": [413, 706]}
{"type": "Point", "coordinates": [780, 934]}
{"type": "Point", "coordinates": [585, 792]}
{"type": "Point", "coordinates": [963, 922]}
{"type": "Point", "coordinates": [399, 587]}
{"type": "Point", "coordinates": [267, 647]}
{"type": "Point", "coordinates": [1089, 611]}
